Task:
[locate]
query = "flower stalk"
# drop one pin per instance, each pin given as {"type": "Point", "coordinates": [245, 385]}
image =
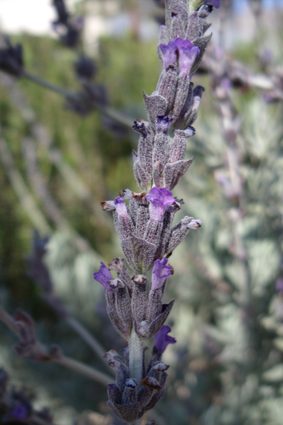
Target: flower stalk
{"type": "Point", "coordinates": [144, 221]}
{"type": "Point", "coordinates": [136, 353]}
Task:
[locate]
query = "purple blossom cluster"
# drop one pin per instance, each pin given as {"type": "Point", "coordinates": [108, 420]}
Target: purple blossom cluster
{"type": "Point", "coordinates": [16, 406]}
{"type": "Point", "coordinates": [144, 221]}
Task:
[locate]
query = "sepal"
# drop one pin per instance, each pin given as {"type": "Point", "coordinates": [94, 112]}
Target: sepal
{"type": "Point", "coordinates": [177, 234]}
{"type": "Point", "coordinates": [201, 43]}
{"type": "Point", "coordinates": [142, 214]}
{"type": "Point", "coordinates": [114, 394]}
{"type": "Point", "coordinates": [155, 105]}
{"type": "Point", "coordinates": [129, 413]}
{"type": "Point", "coordinates": [166, 86]}
{"type": "Point", "coordinates": [174, 172]}
{"type": "Point", "coordinates": [139, 298]}
{"type": "Point", "coordinates": [147, 330]}
{"type": "Point", "coordinates": [182, 90]}
{"type": "Point", "coordinates": [122, 219]}
{"type": "Point", "coordinates": [118, 265]}
{"type": "Point", "coordinates": [122, 304]}
{"type": "Point", "coordinates": [111, 307]}
{"type": "Point", "coordinates": [139, 253]}
{"type": "Point", "coordinates": [177, 27]}
{"type": "Point", "coordinates": [130, 395]}
{"type": "Point", "coordinates": [122, 372]}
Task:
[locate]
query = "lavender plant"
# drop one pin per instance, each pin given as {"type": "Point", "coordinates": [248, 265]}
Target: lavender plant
{"type": "Point", "coordinates": [144, 220]}
{"type": "Point", "coordinates": [231, 369]}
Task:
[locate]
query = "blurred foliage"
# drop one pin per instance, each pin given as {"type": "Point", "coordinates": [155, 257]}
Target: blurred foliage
{"type": "Point", "coordinates": [102, 160]}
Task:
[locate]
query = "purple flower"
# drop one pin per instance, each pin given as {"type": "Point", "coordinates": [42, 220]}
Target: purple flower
{"type": "Point", "coordinates": [162, 339]}
{"type": "Point", "coordinates": [121, 207]}
{"type": "Point", "coordinates": [269, 98]}
{"type": "Point", "coordinates": [187, 54]}
{"type": "Point", "coordinates": [169, 53]}
{"type": "Point", "coordinates": [226, 84]}
{"type": "Point", "coordinates": [20, 411]}
{"type": "Point", "coordinates": [103, 276]}
{"type": "Point", "coordinates": [159, 199]}
{"type": "Point", "coordinates": [279, 285]}
{"type": "Point", "coordinates": [160, 272]}
{"type": "Point", "coordinates": [216, 3]}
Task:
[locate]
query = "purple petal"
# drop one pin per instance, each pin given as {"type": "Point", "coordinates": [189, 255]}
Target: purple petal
{"type": "Point", "coordinates": [279, 285]}
{"type": "Point", "coordinates": [103, 276]}
{"type": "Point", "coordinates": [162, 339]}
{"type": "Point", "coordinates": [160, 272]}
{"type": "Point", "coordinates": [159, 199]}
{"type": "Point", "coordinates": [20, 411]}
{"type": "Point", "coordinates": [216, 4]}
{"type": "Point", "coordinates": [121, 207]}
{"type": "Point", "coordinates": [187, 54]}
{"type": "Point", "coordinates": [169, 53]}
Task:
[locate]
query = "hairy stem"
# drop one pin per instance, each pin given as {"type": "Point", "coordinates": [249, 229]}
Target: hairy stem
{"type": "Point", "coordinates": [136, 357]}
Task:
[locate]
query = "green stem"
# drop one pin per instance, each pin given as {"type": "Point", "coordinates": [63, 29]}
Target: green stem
{"type": "Point", "coordinates": [116, 116]}
{"type": "Point", "coordinates": [48, 85]}
{"type": "Point", "coordinates": [136, 357]}
{"type": "Point", "coordinates": [88, 371]}
{"type": "Point", "coordinates": [86, 336]}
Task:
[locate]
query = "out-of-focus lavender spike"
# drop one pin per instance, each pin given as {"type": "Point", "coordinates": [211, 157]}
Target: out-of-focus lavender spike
{"type": "Point", "coordinates": [11, 58]}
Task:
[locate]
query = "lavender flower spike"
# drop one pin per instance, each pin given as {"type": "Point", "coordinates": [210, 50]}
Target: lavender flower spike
{"type": "Point", "coordinates": [162, 339]}
{"type": "Point", "coordinates": [160, 272]}
{"type": "Point", "coordinates": [103, 276]}
{"type": "Point", "coordinates": [187, 54]}
{"type": "Point", "coordinates": [160, 199]}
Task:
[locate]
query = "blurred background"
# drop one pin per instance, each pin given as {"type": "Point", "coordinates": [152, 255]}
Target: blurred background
{"type": "Point", "coordinates": [61, 155]}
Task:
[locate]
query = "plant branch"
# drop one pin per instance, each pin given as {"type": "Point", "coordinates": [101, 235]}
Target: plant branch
{"type": "Point", "coordinates": [71, 95]}
{"type": "Point", "coordinates": [86, 336]}
{"type": "Point", "coordinates": [88, 371]}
